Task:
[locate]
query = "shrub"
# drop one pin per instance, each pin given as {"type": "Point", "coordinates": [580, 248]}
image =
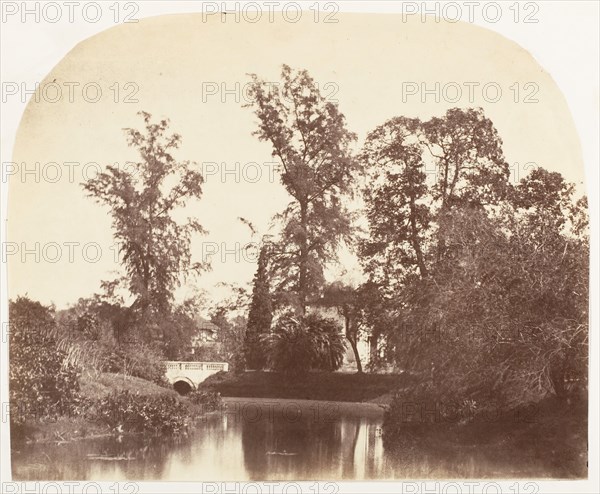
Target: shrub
{"type": "Point", "coordinates": [159, 414]}
{"type": "Point", "coordinates": [208, 400]}
{"type": "Point", "coordinates": [139, 360]}
{"type": "Point", "coordinates": [329, 341]}
{"type": "Point", "coordinates": [309, 342]}
{"type": "Point", "coordinates": [105, 337]}
{"type": "Point", "coordinates": [42, 382]}
{"type": "Point", "coordinates": [417, 413]}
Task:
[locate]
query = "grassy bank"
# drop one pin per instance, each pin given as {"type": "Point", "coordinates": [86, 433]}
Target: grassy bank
{"type": "Point", "coordinates": [328, 386]}
{"type": "Point", "coordinates": [102, 384]}
{"type": "Point", "coordinates": [88, 423]}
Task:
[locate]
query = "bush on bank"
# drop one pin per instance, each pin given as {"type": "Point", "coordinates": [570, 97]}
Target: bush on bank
{"type": "Point", "coordinates": [124, 411]}
{"type": "Point", "coordinates": [42, 380]}
{"type": "Point", "coordinates": [45, 387]}
{"type": "Point", "coordinates": [128, 412]}
{"type": "Point", "coordinates": [138, 360]}
{"type": "Point", "coordinates": [208, 400]}
{"type": "Point", "coordinates": [299, 345]}
{"type": "Point", "coordinates": [426, 413]}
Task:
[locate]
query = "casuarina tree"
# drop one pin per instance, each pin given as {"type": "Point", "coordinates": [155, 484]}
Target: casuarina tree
{"type": "Point", "coordinates": [308, 135]}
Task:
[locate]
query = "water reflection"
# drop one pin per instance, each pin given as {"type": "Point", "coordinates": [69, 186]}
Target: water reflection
{"type": "Point", "coordinates": [309, 447]}
{"type": "Point", "coordinates": [250, 440]}
{"type": "Point", "coordinates": [260, 439]}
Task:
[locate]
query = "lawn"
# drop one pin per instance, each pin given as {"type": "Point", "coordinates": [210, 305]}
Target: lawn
{"type": "Point", "coordinates": [101, 384]}
{"type": "Point", "coordinates": [330, 386]}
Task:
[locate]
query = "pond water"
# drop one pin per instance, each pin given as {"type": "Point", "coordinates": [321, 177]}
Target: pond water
{"type": "Point", "coordinates": [250, 439]}
{"type": "Point", "coordinates": [265, 439]}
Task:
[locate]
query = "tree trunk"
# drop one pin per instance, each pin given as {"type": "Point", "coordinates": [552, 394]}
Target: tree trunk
{"type": "Point", "coordinates": [373, 354]}
{"type": "Point", "coordinates": [415, 239]}
{"type": "Point", "coordinates": [441, 245]}
{"type": "Point", "coordinates": [303, 267]}
{"type": "Point", "coordinates": [352, 339]}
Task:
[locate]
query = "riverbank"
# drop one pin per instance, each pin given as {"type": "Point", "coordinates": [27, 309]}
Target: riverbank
{"type": "Point", "coordinates": [83, 425]}
{"type": "Point", "coordinates": [322, 386]}
{"type": "Point", "coordinates": [294, 409]}
{"type": "Point", "coordinates": [547, 437]}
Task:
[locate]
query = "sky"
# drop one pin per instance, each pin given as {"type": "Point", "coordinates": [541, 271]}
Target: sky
{"type": "Point", "coordinates": [193, 72]}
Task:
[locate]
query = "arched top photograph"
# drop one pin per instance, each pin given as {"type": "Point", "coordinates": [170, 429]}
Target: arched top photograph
{"type": "Point", "coordinates": [303, 242]}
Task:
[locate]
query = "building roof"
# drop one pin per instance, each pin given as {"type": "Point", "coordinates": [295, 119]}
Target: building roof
{"type": "Point", "coordinates": [205, 325]}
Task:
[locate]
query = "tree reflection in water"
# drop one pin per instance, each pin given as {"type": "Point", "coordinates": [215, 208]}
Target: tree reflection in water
{"type": "Point", "coordinates": [287, 443]}
{"type": "Point", "coordinates": [304, 446]}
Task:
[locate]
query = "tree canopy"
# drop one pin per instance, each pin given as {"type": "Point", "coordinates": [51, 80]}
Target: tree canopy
{"type": "Point", "coordinates": [154, 247]}
{"type": "Point", "coordinates": [308, 136]}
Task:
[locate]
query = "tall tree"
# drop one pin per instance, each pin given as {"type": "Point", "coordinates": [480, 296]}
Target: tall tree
{"type": "Point", "coordinates": [260, 314]}
{"type": "Point", "coordinates": [410, 210]}
{"type": "Point", "coordinates": [466, 152]}
{"type": "Point", "coordinates": [308, 136]}
{"type": "Point", "coordinates": [484, 301]}
{"type": "Point", "coordinates": [406, 208]}
{"type": "Point", "coordinates": [397, 205]}
{"type": "Point", "coordinates": [155, 248]}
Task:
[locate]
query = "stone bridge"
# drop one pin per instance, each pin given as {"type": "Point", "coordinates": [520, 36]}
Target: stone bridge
{"type": "Point", "coordinates": [185, 376]}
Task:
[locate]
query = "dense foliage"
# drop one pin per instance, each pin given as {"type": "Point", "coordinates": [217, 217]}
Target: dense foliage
{"type": "Point", "coordinates": [154, 247]}
{"type": "Point", "coordinates": [101, 334]}
{"type": "Point", "coordinates": [127, 412]}
{"type": "Point", "coordinates": [208, 400]}
{"type": "Point", "coordinates": [260, 314]}
{"type": "Point", "coordinates": [478, 286]}
{"type": "Point", "coordinates": [300, 344]}
{"type": "Point", "coordinates": [139, 360]}
{"type": "Point", "coordinates": [42, 381]}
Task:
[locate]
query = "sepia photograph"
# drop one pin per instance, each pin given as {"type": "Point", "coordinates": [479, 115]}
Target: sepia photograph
{"type": "Point", "coordinates": [299, 247]}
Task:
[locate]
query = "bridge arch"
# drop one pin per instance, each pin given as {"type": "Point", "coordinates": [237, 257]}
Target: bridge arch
{"type": "Point", "coordinates": [183, 385]}
{"type": "Point", "coordinates": [186, 376]}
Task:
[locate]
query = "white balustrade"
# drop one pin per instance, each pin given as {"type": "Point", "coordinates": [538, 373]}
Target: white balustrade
{"type": "Point", "coordinates": [195, 372]}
